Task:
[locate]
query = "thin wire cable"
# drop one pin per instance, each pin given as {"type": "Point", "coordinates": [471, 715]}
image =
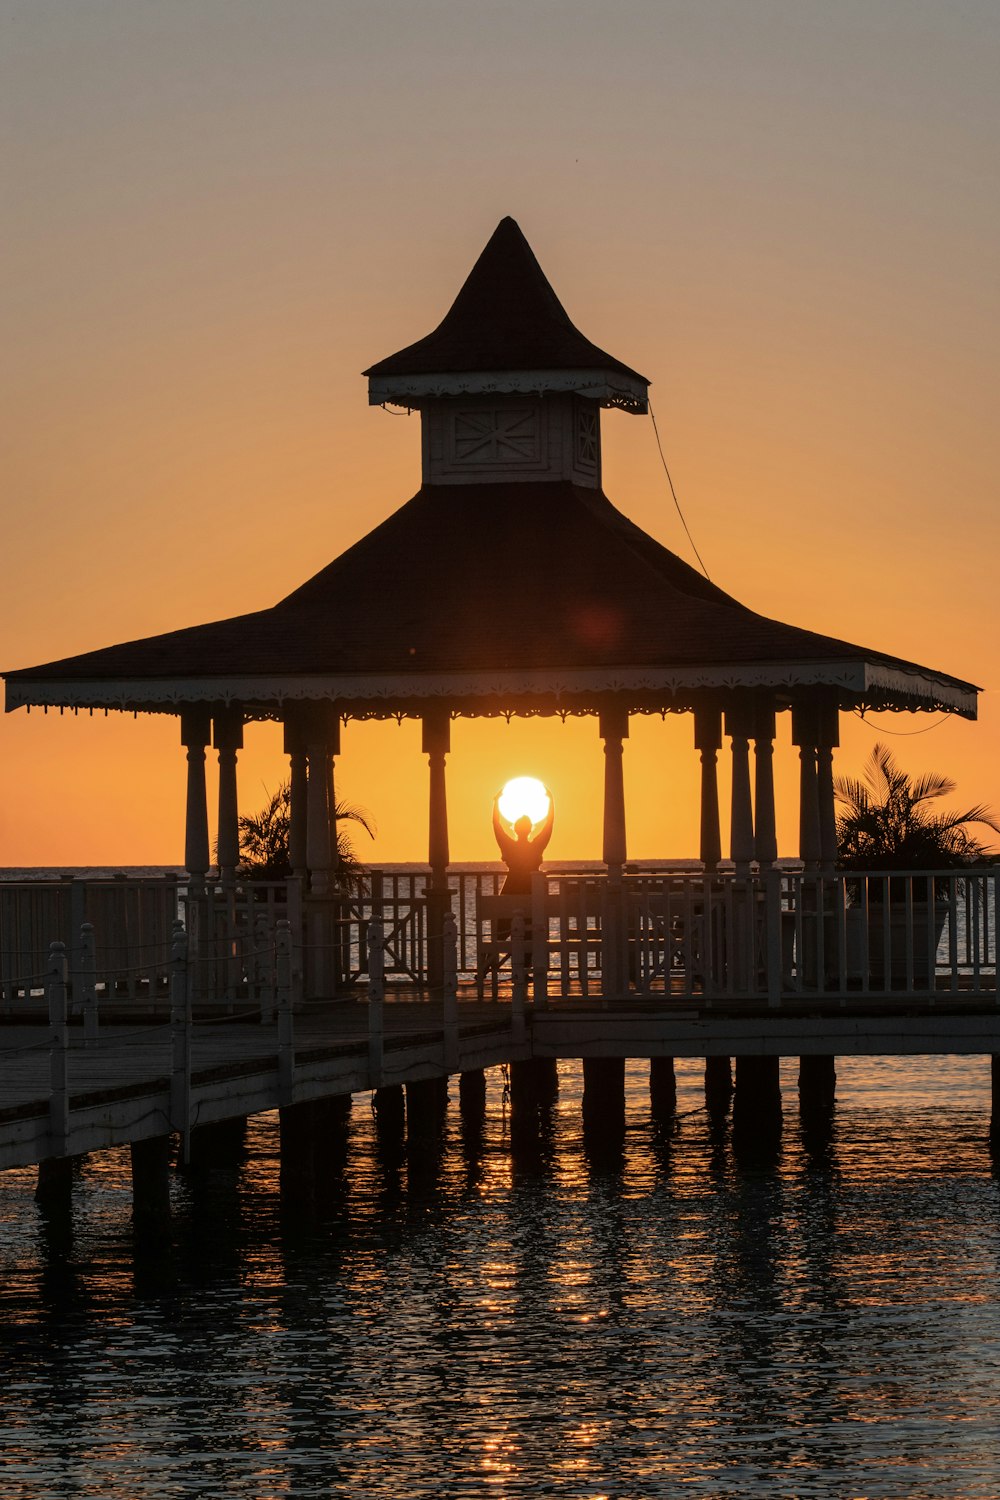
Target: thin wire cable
{"type": "Point", "coordinates": [663, 460]}
{"type": "Point", "coordinates": [900, 733]}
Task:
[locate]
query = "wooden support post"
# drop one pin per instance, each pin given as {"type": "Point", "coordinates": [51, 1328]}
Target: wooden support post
{"type": "Point", "coordinates": [151, 1188]}
{"type": "Point", "coordinates": [774, 949]}
{"type": "Point", "coordinates": [223, 1143]}
{"type": "Point", "coordinates": [662, 1088]}
{"type": "Point", "coordinates": [519, 978]}
{"type": "Point", "coordinates": [604, 1092]}
{"type": "Point", "coordinates": [227, 738]}
{"type": "Point", "coordinates": [757, 1097]}
{"type": "Point", "coordinates": [298, 1162]}
{"type": "Point", "coordinates": [765, 830]}
{"type": "Point", "coordinates": [195, 734]}
{"type": "Point", "coordinates": [54, 1186]}
{"type": "Point", "coordinates": [376, 1001]}
{"type": "Point", "coordinates": [389, 1104]}
{"type": "Point", "coordinates": [546, 1071]}
{"type": "Point", "coordinates": [88, 982]}
{"type": "Point", "coordinates": [472, 1095]}
{"type": "Point", "coordinates": [286, 1035]}
{"type": "Point", "coordinates": [817, 1084]}
{"type": "Point", "coordinates": [449, 938]}
{"type": "Point", "coordinates": [180, 1033]}
{"type": "Point", "coordinates": [58, 1051]}
{"type": "Point", "coordinates": [708, 741]}
{"type": "Point", "coordinates": [540, 940]}
{"type": "Point", "coordinates": [524, 1102]}
{"type": "Point", "coordinates": [426, 1107]}
{"type": "Point", "coordinates": [718, 1084]}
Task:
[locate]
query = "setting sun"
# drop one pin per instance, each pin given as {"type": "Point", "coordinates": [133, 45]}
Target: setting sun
{"type": "Point", "coordinates": [524, 796]}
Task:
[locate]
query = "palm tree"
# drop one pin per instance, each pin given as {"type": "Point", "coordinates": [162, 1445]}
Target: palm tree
{"type": "Point", "coordinates": [264, 840]}
{"type": "Point", "coordinates": [887, 821]}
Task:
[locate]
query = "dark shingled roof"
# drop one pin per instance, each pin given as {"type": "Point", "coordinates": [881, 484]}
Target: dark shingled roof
{"type": "Point", "coordinates": [506, 317]}
{"type": "Point", "coordinates": [469, 578]}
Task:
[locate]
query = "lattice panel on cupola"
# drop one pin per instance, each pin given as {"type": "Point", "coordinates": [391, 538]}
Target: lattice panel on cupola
{"type": "Point", "coordinates": [496, 435]}
{"type": "Point", "coordinates": [587, 437]}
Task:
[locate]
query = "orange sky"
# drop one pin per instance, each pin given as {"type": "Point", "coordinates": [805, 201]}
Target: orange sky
{"type": "Point", "coordinates": [217, 215]}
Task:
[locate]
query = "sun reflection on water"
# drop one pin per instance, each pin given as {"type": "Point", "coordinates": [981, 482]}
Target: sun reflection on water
{"type": "Point", "coordinates": [487, 1314]}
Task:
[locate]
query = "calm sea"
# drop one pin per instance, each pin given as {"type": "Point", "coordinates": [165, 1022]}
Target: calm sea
{"type": "Point", "coordinates": [468, 1320]}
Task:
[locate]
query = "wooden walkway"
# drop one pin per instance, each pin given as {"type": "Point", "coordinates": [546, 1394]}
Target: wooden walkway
{"type": "Point", "coordinates": [124, 1087]}
{"type": "Point", "coordinates": [132, 1083]}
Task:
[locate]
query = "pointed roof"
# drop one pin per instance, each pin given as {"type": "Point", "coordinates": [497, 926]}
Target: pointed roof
{"type": "Point", "coordinates": [506, 320]}
{"type": "Point", "coordinates": [424, 608]}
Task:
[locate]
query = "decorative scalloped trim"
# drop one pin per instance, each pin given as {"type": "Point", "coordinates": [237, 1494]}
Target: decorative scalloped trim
{"type": "Point", "coordinates": [608, 387]}
{"type": "Point", "coordinates": [867, 684]}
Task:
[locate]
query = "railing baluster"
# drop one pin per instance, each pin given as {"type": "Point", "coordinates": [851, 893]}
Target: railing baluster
{"type": "Point", "coordinates": [88, 983]}
{"type": "Point", "coordinates": [286, 1025]}
{"type": "Point", "coordinates": [58, 1050]}
{"type": "Point", "coordinates": [519, 976]}
{"type": "Point", "coordinates": [180, 1033]}
{"type": "Point", "coordinates": [376, 1001]}
{"type": "Point", "coordinates": [450, 992]}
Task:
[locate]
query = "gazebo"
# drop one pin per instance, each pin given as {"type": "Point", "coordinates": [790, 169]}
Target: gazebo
{"type": "Point", "coordinates": [599, 618]}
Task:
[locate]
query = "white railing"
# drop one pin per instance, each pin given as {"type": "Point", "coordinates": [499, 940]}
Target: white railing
{"type": "Point", "coordinates": [777, 938]}
{"type": "Point", "coordinates": [131, 922]}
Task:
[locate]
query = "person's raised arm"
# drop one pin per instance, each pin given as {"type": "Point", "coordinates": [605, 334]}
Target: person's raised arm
{"type": "Point", "coordinates": [503, 838]}
{"type": "Point", "coordinates": [545, 832]}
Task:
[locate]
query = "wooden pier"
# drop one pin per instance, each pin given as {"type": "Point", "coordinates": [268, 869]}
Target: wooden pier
{"type": "Point", "coordinates": [683, 968]}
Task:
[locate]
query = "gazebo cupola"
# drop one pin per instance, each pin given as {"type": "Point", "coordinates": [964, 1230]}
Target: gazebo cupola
{"type": "Point", "coordinates": [508, 389]}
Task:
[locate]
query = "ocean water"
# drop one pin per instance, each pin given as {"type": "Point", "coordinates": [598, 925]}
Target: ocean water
{"type": "Point", "coordinates": [565, 1319]}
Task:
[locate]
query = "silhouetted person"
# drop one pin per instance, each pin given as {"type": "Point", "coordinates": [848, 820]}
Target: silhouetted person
{"type": "Point", "coordinates": [522, 854]}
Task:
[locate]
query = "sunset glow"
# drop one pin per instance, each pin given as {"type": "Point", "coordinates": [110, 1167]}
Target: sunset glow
{"type": "Point", "coordinates": [524, 796]}
{"type": "Point", "coordinates": [189, 429]}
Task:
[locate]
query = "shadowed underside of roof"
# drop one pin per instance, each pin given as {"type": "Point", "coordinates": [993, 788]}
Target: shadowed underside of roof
{"type": "Point", "coordinates": [545, 579]}
{"type": "Point", "coordinates": [506, 317]}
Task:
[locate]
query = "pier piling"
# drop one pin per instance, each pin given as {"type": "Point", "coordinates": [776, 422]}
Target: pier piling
{"type": "Point", "coordinates": [817, 1084]}
{"type": "Point", "coordinates": [151, 1187]}
{"type": "Point", "coordinates": [426, 1106]}
{"type": "Point", "coordinates": [54, 1185]}
{"type": "Point", "coordinates": [757, 1098]}
{"type": "Point", "coordinates": [662, 1088]}
{"type": "Point", "coordinates": [718, 1085]}
{"type": "Point", "coordinates": [604, 1092]}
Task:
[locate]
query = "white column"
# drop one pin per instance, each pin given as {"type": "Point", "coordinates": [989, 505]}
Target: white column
{"type": "Point", "coordinates": [708, 741]}
{"type": "Point", "coordinates": [741, 845]}
{"type": "Point", "coordinates": [295, 749]}
{"type": "Point", "coordinates": [804, 736]}
{"type": "Point", "coordinates": [765, 831]}
{"type": "Point", "coordinates": [333, 748]}
{"type": "Point", "coordinates": [613, 724]}
{"type": "Point", "coordinates": [827, 739]}
{"type": "Point", "coordinates": [195, 734]}
{"type": "Point", "coordinates": [436, 745]}
{"type": "Point", "coordinates": [227, 737]}
{"type": "Point", "coordinates": [317, 816]}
